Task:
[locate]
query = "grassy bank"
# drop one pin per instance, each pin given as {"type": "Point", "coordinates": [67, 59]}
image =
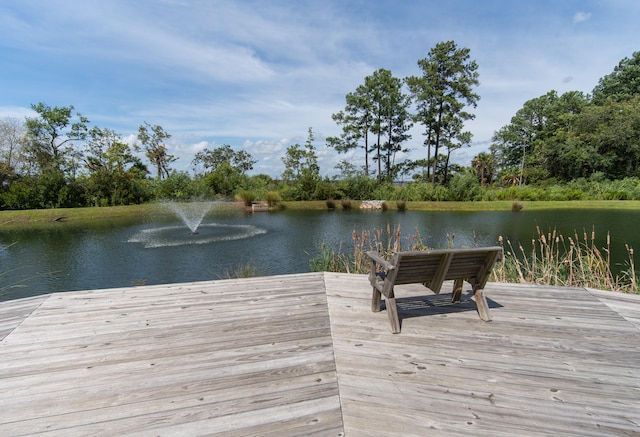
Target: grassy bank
{"type": "Point", "coordinates": [34, 216]}
{"type": "Point", "coordinates": [44, 217]}
{"type": "Point", "coordinates": [498, 205]}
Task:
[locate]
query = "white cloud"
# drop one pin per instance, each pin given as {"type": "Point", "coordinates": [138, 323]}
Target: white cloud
{"type": "Point", "coordinates": [16, 112]}
{"type": "Point", "coordinates": [580, 16]}
{"type": "Point", "coordinates": [256, 75]}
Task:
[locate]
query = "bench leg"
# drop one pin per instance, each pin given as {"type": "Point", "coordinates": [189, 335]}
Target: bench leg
{"type": "Point", "coordinates": [457, 290]}
{"type": "Point", "coordinates": [482, 305]}
{"type": "Point", "coordinates": [392, 312]}
{"type": "Point", "coordinates": [375, 300]}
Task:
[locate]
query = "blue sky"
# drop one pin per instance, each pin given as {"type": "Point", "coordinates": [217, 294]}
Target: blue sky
{"type": "Point", "coordinates": [257, 74]}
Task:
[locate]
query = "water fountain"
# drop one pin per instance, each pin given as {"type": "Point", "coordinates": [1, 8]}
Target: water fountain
{"type": "Point", "coordinates": [192, 215]}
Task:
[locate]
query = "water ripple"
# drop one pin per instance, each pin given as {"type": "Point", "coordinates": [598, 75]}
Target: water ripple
{"type": "Point", "coordinates": [207, 233]}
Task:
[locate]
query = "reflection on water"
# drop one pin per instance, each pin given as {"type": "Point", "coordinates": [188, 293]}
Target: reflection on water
{"type": "Point", "coordinates": [123, 252]}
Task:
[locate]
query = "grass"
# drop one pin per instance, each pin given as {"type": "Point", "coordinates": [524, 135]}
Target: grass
{"type": "Point", "coordinates": [573, 261]}
{"type": "Point", "coordinates": [247, 270]}
{"type": "Point", "coordinates": [384, 241]}
{"type": "Point", "coordinates": [26, 217]}
{"type": "Point", "coordinates": [498, 205]}
{"type": "Point", "coordinates": [47, 217]}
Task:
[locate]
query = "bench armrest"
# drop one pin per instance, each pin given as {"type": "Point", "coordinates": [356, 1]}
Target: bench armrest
{"type": "Point", "coordinates": [375, 256]}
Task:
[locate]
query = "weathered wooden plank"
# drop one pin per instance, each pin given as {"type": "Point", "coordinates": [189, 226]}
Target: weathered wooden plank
{"type": "Point", "coordinates": [554, 361]}
{"type": "Point", "coordinates": [14, 312]}
{"type": "Point", "coordinates": [304, 355]}
{"type": "Point", "coordinates": [188, 359]}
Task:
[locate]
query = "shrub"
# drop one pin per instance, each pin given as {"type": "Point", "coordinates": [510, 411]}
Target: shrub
{"type": "Point", "coordinates": [346, 204]}
{"type": "Point", "coordinates": [247, 196]}
{"type": "Point", "coordinates": [247, 270]}
{"type": "Point", "coordinates": [331, 204]}
{"type": "Point", "coordinates": [272, 198]}
{"type": "Point", "coordinates": [401, 205]}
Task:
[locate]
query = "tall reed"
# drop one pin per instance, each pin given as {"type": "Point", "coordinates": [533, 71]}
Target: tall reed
{"type": "Point", "coordinates": [574, 261]}
{"type": "Point", "coordinates": [384, 241]}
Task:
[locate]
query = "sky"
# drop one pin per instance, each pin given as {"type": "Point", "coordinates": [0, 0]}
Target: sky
{"type": "Point", "coordinates": [256, 75]}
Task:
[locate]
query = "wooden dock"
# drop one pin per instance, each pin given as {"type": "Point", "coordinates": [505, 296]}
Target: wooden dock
{"type": "Point", "coordinates": [298, 355]}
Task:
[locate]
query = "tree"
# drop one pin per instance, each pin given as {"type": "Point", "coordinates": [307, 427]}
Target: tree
{"type": "Point", "coordinates": [443, 91]}
{"type": "Point", "coordinates": [454, 139]}
{"type": "Point", "coordinates": [225, 168]}
{"type": "Point", "coordinates": [356, 121]}
{"type": "Point", "coordinates": [301, 168]}
{"type": "Point", "coordinates": [605, 139]}
{"type": "Point", "coordinates": [241, 160]}
{"type": "Point", "coordinates": [390, 120]}
{"type": "Point", "coordinates": [112, 167]}
{"type": "Point", "coordinates": [380, 108]}
{"type": "Point", "coordinates": [484, 165]}
{"type": "Point", "coordinates": [538, 136]}
{"type": "Point", "coordinates": [152, 138]}
{"type": "Point", "coordinates": [50, 144]}
{"type": "Point", "coordinates": [622, 84]}
{"type": "Point", "coordinates": [12, 142]}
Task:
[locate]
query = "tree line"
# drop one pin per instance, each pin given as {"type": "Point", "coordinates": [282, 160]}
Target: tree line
{"type": "Point", "coordinates": [573, 145]}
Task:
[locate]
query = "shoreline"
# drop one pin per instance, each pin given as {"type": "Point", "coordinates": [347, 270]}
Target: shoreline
{"type": "Point", "coordinates": [21, 218]}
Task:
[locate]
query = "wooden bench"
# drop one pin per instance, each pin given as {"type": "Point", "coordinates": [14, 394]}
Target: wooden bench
{"type": "Point", "coordinates": [432, 268]}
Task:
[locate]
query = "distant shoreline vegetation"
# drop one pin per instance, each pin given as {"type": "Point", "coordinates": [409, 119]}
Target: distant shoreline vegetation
{"type": "Point", "coordinates": [48, 216]}
{"type": "Point", "coordinates": [461, 188]}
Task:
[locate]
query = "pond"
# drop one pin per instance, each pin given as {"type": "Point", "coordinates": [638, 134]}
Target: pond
{"type": "Point", "coordinates": [111, 253]}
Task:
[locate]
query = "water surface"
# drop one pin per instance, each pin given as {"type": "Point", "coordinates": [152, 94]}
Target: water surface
{"type": "Point", "coordinates": [124, 252]}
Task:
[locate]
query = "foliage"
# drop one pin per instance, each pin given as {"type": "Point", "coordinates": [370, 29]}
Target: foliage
{"type": "Point", "coordinates": [355, 120]}
{"type": "Point", "coordinates": [212, 159]}
{"type": "Point", "coordinates": [113, 169]}
{"type": "Point", "coordinates": [556, 147]}
{"type": "Point", "coordinates": [152, 139]}
{"type": "Point", "coordinates": [574, 261]}
{"type": "Point", "coordinates": [247, 197]}
{"type": "Point", "coordinates": [301, 170]}
{"type": "Point", "coordinates": [326, 189]}
{"type": "Point", "coordinates": [346, 204]}
{"type": "Point", "coordinates": [622, 84]}
{"type": "Point", "coordinates": [49, 140]}
{"type": "Point", "coordinates": [384, 241]}
{"type": "Point", "coordinates": [247, 270]}
{"type": "Point", "coordinates": [441, 94]}
{"type": "Point", "coordinates": [177, 186]}
{"type": "Point", "coordinates": [272, 198]}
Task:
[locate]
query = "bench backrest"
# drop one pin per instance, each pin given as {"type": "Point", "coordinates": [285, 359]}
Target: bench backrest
{"type": "Point", "coordinates": [432, 267]}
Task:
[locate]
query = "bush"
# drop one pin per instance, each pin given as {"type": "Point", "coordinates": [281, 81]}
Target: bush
{"type": "Point", "coordinates": [272, 198]}
{"type": "Point", "coordinates": [247, 196]}
{"type": "Point", "coordinates": [464, 187]}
